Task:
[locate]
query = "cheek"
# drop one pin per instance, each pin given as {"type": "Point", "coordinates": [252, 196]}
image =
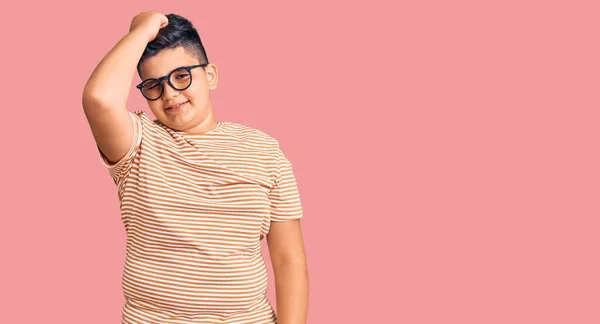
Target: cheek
{"type": "Point", "coordinates": [195, 94]}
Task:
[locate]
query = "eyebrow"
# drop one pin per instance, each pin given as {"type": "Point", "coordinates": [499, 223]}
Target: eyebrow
{"type": "Point", "coordinates": [177, 68]}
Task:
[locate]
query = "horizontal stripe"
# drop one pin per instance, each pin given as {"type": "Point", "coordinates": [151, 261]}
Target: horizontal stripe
{"type": "Point", "coordinates": [195, 208]}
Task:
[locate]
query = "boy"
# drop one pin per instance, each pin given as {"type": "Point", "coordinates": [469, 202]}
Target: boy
{"type": "Point", "coordinates": [197, 195]}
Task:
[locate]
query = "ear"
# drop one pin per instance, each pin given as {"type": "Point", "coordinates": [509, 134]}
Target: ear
{"type": "Point", "coordinates": [212, 76]}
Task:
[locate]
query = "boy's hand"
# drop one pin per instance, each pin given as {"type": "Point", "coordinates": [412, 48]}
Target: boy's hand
{"type": "Point", "coordinates": [149, 23]}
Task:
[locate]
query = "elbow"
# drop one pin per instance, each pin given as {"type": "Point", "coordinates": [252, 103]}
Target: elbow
{"type": "Point", "coordinates": [93, 101]}
{"type": "Point", "coordinates": [96, 96]}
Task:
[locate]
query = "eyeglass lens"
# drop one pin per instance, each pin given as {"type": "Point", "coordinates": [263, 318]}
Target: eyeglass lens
{"type": "Point", "coordinates": [180, 79]}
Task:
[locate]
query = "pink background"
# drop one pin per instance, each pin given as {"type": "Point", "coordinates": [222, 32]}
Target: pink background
{"type": "Point", "coordinates": [446, 153]}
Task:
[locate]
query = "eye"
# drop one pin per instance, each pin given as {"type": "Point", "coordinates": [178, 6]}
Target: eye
{"type": "Point", "coordinates": [150, 84]}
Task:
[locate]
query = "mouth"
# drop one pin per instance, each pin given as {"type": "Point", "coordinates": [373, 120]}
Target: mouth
{"type": "Point", "coordinates": [176, 107]}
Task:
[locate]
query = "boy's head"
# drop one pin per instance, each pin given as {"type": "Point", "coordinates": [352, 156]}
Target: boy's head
{"type": "Point", "coordinates": [177, 48]}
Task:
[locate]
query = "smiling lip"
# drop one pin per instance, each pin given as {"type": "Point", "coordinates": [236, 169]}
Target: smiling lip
{"type": "Point", "coordinates": [177, 106]}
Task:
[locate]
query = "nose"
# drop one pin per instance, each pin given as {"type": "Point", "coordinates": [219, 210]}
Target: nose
{"type": "Point", "coordinates": [168, 91]}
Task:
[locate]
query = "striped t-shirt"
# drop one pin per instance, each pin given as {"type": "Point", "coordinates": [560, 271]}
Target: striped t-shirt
{"type": "Point", "coordinates": [195, 208]}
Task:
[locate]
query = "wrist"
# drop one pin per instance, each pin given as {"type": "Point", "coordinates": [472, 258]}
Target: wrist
{"type": "Point", "coordinates": [140, 33]}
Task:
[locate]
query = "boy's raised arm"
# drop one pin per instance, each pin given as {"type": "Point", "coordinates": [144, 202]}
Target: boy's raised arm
{"type": "Point", "coordinates": [106, 91]}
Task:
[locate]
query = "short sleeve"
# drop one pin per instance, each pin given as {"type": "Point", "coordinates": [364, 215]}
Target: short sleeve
{"type": "Point", "coordinates": [119, 170]}
{"type": "Point", "coordinates": [284, 196]}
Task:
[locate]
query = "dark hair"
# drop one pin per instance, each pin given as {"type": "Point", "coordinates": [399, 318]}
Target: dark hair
{"type": "Point", "coordinates": [179, 32]}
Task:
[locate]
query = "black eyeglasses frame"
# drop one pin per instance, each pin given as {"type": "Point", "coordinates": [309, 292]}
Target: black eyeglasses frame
{"type": "Point", "coordinates": [168, 78]}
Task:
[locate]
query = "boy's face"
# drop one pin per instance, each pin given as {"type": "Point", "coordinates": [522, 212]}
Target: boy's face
{"type": "Point", "coordinates": [195, 116]}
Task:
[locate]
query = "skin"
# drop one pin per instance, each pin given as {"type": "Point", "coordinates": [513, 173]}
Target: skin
{"type": "Point", "coordinates": [196, 117]}
{"type": "Point", "coordinates": [288, 257]}
{"type": "Point", "coordinates": [105, 94]}
{"type": "Point", "coordinates": [104, 103]}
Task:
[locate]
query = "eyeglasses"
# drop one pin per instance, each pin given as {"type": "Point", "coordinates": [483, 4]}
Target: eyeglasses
{"type": "Point", "coordinates": [179, 79]}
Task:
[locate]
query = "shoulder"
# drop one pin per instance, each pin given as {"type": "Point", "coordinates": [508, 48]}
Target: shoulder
{"type": "Point", "coordinates": [149, 124]}
{"type": "Point", "coordinates": [251, 134]}
{"type": "Point", "coordinates": [141, 116]}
